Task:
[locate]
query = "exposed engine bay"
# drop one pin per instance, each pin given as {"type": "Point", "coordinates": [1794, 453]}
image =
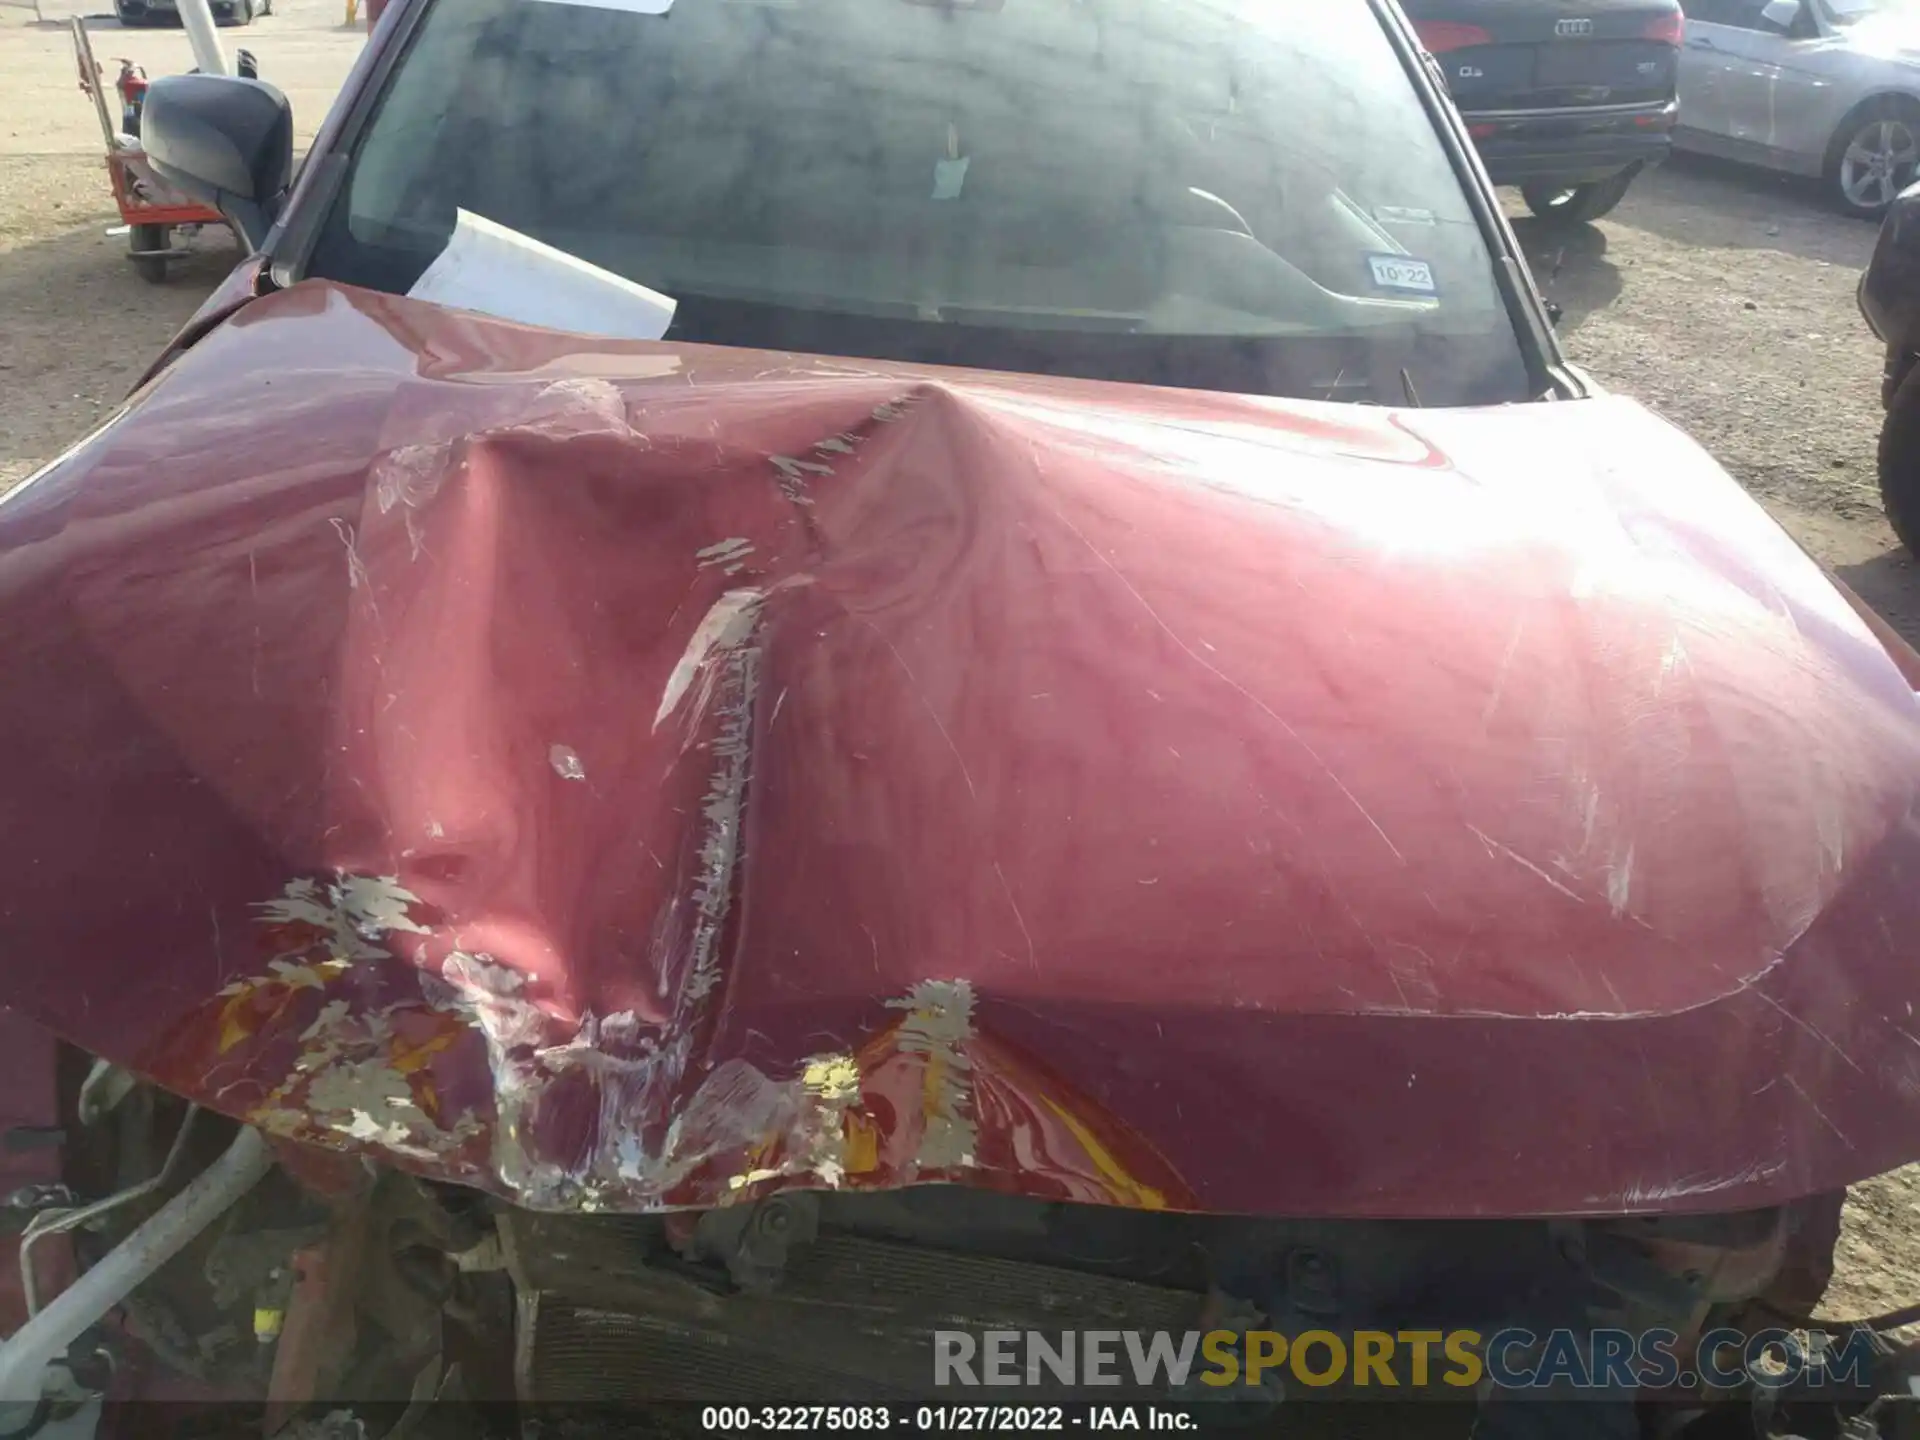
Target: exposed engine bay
{"type": "Point", "coordinates": [336, 1294]}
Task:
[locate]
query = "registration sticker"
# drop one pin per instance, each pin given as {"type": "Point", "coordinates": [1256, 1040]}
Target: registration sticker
{"type": "Point", "coordinates": [1403, 273]}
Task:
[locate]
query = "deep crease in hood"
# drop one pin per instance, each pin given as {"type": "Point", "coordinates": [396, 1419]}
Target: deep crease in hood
{"type": "Point", "coordinates": [636, 776]}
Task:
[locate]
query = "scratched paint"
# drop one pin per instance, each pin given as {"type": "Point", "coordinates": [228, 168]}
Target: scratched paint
{"type": "Point", "coordinates": [356, 913]}
{"type": "Point", "coordinates": [358, 577]}
{"type": "Point", "coordinates": [578, 405]}
{"type": "Point", "coordinates": [355, 1071]}
{"type": "Point", "coordinates": [728, 556]}
{"type": "Point", "coordinates": [832, 1084]}
{"type": "Point", "coordinates": [408, 478]}
{"type": "Point", "coordinates": [795, 476]}
{"type": "Point", "coordinates": [352, 1078]}
{"type": "Point", "coordinates": [721, 810]}
{"type": "Point", "coordinates": [939, 1021]}
{"type": "Point", "coordinates": [492, 998]}
{"type": "Point", "coordinates": [374, 1077]}
{"type": "Point", "coordinates": [721, 631]}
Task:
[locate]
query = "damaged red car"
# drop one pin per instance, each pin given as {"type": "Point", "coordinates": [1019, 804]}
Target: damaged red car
{"type": "Point", "coordinates": [783, 688]}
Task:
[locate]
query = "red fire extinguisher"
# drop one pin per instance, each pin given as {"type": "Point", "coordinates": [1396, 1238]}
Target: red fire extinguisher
{"type": "Point", "coordinates": [132, 85]}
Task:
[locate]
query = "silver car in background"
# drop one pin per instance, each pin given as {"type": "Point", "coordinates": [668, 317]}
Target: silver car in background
{"type": "Point", "coordinates": [1828, 88]}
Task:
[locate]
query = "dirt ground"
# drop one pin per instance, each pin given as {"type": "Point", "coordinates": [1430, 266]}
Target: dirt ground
{"type": "Point", "coordinates": [77, 326]}
{"type": "Point", "coordinates": [1721, 297]}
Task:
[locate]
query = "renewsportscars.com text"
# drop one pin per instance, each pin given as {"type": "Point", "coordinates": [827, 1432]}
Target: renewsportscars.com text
{"type": "Point", "coordinates": [1515, 1359]}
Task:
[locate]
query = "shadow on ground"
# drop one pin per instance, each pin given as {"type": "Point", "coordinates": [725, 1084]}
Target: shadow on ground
{"type": "Point", "coordinates": [1570, 266]}
{"type": "Point", "coordinates": [1890, 583]}
{"type": "Point", "coordinates": [1712, 205]}
{"type": "Point", "coordinates": [1694, 199]}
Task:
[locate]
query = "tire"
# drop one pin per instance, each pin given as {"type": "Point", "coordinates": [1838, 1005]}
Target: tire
{"type": "Point", "coordinates": [1806, 1269]}
{"type": "Point", "coordinates": [1874, 156]}
{"type": "Point", "coordinates": [1894, 374]}
{"type": "Point", "coordinates": [242, 15]}
{"type": "Point", "coordinates": [1900, 463]}
{"type": "Point", "coordinates": [131, 22]}
{"type": "Point", "coordinates": [152, 268]}
{"type": "Point", "coordinates": [1577, 204]}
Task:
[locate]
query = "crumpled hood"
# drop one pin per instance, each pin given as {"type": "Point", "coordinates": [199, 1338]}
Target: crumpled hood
{"type": "Point", "coordinates": [630, 776]}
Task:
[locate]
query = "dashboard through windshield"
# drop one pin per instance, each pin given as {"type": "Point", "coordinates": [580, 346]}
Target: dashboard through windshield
{"type": "Point", "coordinates": [1218, 194]}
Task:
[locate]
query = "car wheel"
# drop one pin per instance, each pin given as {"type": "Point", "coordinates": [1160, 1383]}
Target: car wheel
{"type": "Point", "coordinates": [147, 238]}
{"type": "Point", "coordinates": [129, 20]}
{"type": "Point", "coordinates": [1577, 204]}
{"type": "Point", "coordinates": [1900, 463]}
{"type": "Point", "coordinates": [1874, 156]}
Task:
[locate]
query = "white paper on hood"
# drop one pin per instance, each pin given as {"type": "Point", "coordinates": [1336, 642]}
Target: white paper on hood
{"type": "Point", "coordinates": [632, 7]}
{"type": "Point", "coordinates": [498, 271]}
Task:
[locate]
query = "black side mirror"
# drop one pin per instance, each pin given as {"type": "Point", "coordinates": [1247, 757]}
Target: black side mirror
{"type": "Point", "coordinates": [1890, 290]}
{"type": "Point", "coordinates": [226, 141]}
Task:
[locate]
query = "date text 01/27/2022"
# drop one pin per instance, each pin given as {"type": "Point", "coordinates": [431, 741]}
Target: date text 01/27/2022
{"type": "Point", "coordinates": [938, 1419]}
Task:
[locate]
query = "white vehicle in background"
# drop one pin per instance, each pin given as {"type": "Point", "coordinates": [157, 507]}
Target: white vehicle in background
{"type": "Point", "coordinates": [1827, 88]}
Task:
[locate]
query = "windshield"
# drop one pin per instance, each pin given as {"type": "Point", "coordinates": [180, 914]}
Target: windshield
{"type": "Point", "coordinates": [1219, 194]}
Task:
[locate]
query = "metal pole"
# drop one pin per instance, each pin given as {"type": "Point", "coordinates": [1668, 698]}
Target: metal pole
{"type": "Point", "coordinates": [207, 1197]}
{"type": "Point", "coordinates": [197, 17]}
{"type": "Point", "coordinates": [90, 77]}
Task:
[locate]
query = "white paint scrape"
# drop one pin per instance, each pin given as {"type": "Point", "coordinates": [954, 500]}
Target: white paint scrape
{"type": "Point", "coordinates": [720, 631]}
{"type": "Point", "coordinates": [356, 911]}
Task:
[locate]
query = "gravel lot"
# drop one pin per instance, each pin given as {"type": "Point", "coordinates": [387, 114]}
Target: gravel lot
{"type": "Point", "coordinates": [1723, 298]}
{"type": "Point", "coordinates": [77, 326]}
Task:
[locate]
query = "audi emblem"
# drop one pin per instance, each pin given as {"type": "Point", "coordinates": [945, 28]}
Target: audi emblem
{"type": "Point", "coordinates": [1567, 29]}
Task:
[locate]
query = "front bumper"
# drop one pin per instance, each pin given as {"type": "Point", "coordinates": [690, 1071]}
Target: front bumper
{"type": "Point", "coordinates": [1571, 146]}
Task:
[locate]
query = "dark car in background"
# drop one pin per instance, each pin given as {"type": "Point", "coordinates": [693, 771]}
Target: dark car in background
{"type": "Point", "coordinates": [131, 13]}
{"type": "Point", "coordinates": [1567, 99]}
